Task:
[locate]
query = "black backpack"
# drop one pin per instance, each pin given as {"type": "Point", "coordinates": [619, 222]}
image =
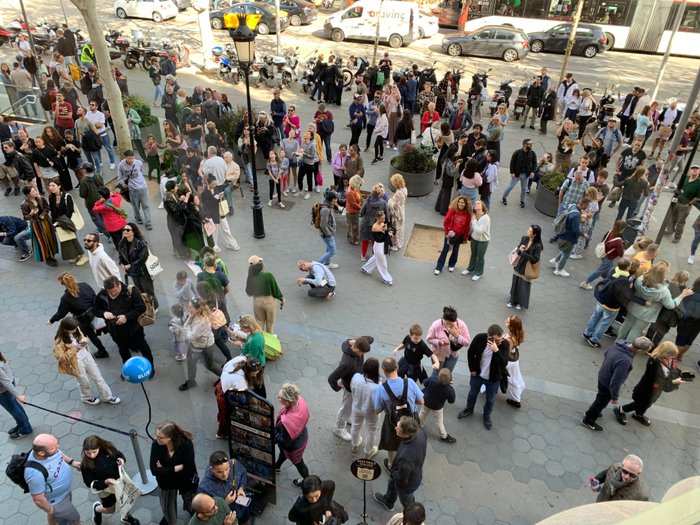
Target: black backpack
{"type": "Point", "coordinates": [399, 405]}
{"type": "Point", "coordinates": [15, 469]}
{"type": "Point", "coordinates": [603, 291]}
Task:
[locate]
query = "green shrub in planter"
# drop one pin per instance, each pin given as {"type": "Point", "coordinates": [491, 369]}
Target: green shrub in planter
{"type": "Point", "coordinates": [141, 106]}
{"type": "Point", "coordinates": [414, 159]}
{"type": "Point", "coordinates": [553, 180]}
{"type": "Point", "coordinates": [230, 122]}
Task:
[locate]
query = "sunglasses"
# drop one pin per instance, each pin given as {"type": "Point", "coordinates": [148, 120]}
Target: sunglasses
{"type": "Point", "coordinates": [629, 474]}
{"type": "Point", "coordinates": [90, 240]}
{"type": "Point", "coordinates": [221, 461]}
{"type": "Point", "coordinates": [127, 230]}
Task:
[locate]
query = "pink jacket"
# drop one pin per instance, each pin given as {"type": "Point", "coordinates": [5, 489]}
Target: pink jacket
{"type": "Point", "coordinates": [438, 339]}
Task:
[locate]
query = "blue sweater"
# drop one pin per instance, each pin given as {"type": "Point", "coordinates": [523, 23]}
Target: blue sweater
{"type": "Point", "coordinates": [573, 226]}
{"type": "Point", "coordinates": [436, 395]}
{"type": "Point", "coordinates": [214, 487]}
{"type": "Point", "coordinates": [615, 367]}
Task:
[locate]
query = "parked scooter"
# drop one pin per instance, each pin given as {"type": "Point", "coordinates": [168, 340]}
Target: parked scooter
{"type": "Point", "coordinates": [308, 78]}
{"type": "Point", "coordinates": [477, 93]}
{"type": "Point", "coordinates": [606, 108]}
{"type": "Point", "coordinates": [521, 101]}
{"type": "Point", "coordinates": [228, 63]}
{"type": "Point", "coordinates": [427, 75]}
{"type": "Point", "coordinates": [501, 96]}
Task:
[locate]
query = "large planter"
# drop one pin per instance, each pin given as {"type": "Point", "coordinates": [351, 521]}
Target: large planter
{"type": "Point", "coordinates": [546, 201]}
{"type": "Point", "coordinates": [417, 184]}
{"type": "Point", "coordinates": [156, 130]}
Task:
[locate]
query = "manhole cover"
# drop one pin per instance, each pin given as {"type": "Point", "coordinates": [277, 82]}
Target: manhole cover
{"type": "Point", "coordinates": [426, 242]}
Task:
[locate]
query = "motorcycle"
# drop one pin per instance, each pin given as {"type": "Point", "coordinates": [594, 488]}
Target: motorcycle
{"type": "Point", "coordinates": [606, 108]}
{"type": "Point", "coordinates": [308, 78]}
{"type": "Point", "coordinates": [228, 63]}
{"type": "Point", "coordinates": [327, 4]}
{"type": "Point", "coordinates": [290, 74]}
{"type": "Point", "coordinates": [521, 101]}
{"type": "Point", "coordinates": [477, 93]}
{"type": "Point", "coordinates": [121, 47]}
{"type": "Point", "coordinates": [427, 75]}
{"type": "Point", "coordinates": [501, 96]}
{"type": "Point", "coordinates": [6, 37]}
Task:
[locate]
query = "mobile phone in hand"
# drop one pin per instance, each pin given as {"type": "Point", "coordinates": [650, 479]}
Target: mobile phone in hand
{"type": "Point", "coordinates": [243, 501]}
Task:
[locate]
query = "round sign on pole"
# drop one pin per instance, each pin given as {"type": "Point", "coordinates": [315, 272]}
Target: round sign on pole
{"type": "Point", "coordinates": [365, 469]}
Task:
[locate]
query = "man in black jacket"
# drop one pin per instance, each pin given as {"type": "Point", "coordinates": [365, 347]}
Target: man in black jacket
{"type": "Point", "coordinates": [535, 94]}
{"type": "Point", "coordinates": [523, 164]}
{"type": "Point", "coordinates": [24, 170]}
{"type": "Point", "coordinates": [351, 362]}
{"type": "Point", "coordinates": [487, 357]}
{"type": "Point", "coordinates": [612, 294]}
{"type": "Point", "coordinates": [120, 306]}
{"type": "Point", "coordinates": [406, 472]}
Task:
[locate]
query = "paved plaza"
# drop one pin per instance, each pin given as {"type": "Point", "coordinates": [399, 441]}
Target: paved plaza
{"type": "Point", "coordinates": [533, 463]}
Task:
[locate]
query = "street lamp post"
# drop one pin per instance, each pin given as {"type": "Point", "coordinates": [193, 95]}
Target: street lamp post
{"type": "Point", "coordinates": [244, 40]}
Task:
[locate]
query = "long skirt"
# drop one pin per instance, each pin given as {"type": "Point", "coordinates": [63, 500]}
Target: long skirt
{"type": "Point", "coordinates": [44, 240]}
{"type": "Point", "coordinates": [515, 381]}
{"type": "Point", "coordinates": [393, 123]}
{"type": "Point", "coordinates": [71, 249]}
{"type": "Point", "coordinates": [520, 292]}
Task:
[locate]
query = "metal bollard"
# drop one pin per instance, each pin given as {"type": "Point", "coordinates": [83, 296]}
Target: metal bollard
{"type": "Point", "coordinates": [144, 481]}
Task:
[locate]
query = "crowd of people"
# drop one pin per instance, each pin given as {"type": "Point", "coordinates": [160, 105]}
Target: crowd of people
{"type": "Point", "coordinates": [197, 196]}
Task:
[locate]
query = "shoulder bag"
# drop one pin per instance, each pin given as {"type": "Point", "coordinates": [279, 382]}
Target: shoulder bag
{"type": "Point", "coordinates": [153, 264]}
{"type": "Point", "coordinates": [218, 319]}
{"type": "Point", "coordinates": [514, 257]}
{"type": "Point", "coordinates": [532, 271]}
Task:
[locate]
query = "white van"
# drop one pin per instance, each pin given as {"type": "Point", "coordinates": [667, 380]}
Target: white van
{"type": "Point", "coordinates": [398, 24]}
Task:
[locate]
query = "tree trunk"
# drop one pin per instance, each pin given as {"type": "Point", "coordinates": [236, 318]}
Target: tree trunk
{"type": "Point", "coordinates": [112, 93]}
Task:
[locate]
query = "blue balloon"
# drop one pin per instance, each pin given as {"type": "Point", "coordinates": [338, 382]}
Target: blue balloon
{"type": "Point", "coordinates": [137, 369]}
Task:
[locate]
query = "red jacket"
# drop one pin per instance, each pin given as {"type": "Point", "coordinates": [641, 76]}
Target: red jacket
{"type": "Point", "coordinates": [427, 119]}
{"type": "Point", "coordinates": [459, 222]}
{"type": "Point", "coordinates": [113, 221]}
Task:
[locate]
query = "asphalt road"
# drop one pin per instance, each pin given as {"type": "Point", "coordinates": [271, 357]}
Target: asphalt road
{"type": "Point", "coordinates": [619, 69]}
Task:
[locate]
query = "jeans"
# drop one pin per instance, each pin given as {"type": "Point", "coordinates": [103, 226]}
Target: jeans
{"type": "Point", "coordinates": [522, 178]}
{"type": "Point", "coordinates": [9, 403]}
{"type": "Point", "coordinates": [404, 494]}
{"type": "Point", "coordinates": [606, 266]}
{"type": "Point", "coordinates": [108, 146]}
{"type": "Point", "coordinates": [443, 255]}
{"type": "Point", "coordinates": [565, 248]}
{"type": "Point", "coordinates": [139, 201]}
{"type": "Point", "coordinates": [248, 167]}
{"type": "Point", "coordinates": [601, 401]}
{"type": "Point", "coordinates": [370, 130]}
{"type": "Point", "coordinates": [594, 221]}
{"type": "Point", "coordinates": [600, 321]}
{"type": "Point", "coordinates": [158, 93]}
{"type": "Point", "coordinates": [318, 89]}
{"type": "Point", "coordinates": [22, 240]}
{"type": "Point", "coordinates": [197, 354]}
{"type": "Point", "coordinates": [470, 193]}
{"type": "Point", "coordinates": [327, 142]}
{"type": "Point", "coordinates": [96, 158]}
{"type": "Point", "coordinates": [228, 193]}
{"type": "Point", "coordinates": [696, 241]}
{"type": "Point", "coordinates": [330, 250]}
{"type": "Point", "coordinates": [626, 205]}
{"type": "Point", "coordinates": [98, 221]}
{"type": "Point", "coordinates": [475, 383]}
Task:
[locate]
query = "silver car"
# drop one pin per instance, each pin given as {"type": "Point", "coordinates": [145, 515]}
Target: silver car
{"type": "Point", "coordinates": [504, 42]}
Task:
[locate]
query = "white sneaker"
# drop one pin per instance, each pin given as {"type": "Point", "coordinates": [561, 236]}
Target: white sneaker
{"type": "Point", "coordinates": [356, 448]}
{"type": "Point", "coordinates": [282, 205]}
{"type": "Point", "coordinates": [318, 189]}
{"type": "Point", "coordinates": [161, 205]}
{"type": "Point", "coordinates": [307, 196]}
{"type": "Point", "coordinates": [553, 262]}
{"type": "Point", "coordinates": [217, 249]}
{"type": "Point", "coordinates": [476, 277]}
{"type": "Point", "coordinates": [372, 452]}
{"type": "Point", "coordinates": [342, 434]}
{"type": "Point", "coordinates": [691, 259]}
{"type": "Point", "coordinates": [561, 273]}
{"type": "Point", "coordinates": [114, 400]}
{"type": "Point", "coordinates": [465, 272]}
{"type": "Point", "coordinates": [285, 193]}
{"type": "Point", "coordinates": [575, 256]}
{"type": "Point", "coordinates": [332, 266]}
{"type": "Point", "coordinates": [585, 286]}
{"type": "Point", "coordinates": [451, 269]}
{"type": "Point", "coordinates": [437, 272]}
{"type": "Point", "coordinates": [269, 203]}
{"type": "Point", "coordinates": [294, 191]}
{"type": "Point", "coordinates": [111, 165]}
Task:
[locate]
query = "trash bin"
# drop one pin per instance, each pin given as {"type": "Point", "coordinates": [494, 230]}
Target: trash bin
{"type": "Point", "coordinates": [631, 231]}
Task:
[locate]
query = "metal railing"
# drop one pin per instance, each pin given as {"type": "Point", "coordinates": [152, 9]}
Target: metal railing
{"type": "Point", "coordinates": [22, 104]}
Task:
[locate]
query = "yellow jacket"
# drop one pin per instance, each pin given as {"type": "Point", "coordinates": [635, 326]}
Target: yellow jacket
{"type": "Point", "coordinates": [66, 354]}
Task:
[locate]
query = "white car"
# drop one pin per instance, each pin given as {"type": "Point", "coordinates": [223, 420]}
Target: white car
{"type": "Point", "coordinates": [156, 10]}
{"type": "Point", "coordinates": [427, 25]}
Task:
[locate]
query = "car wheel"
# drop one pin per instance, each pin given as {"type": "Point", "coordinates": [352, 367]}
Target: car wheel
{"type": "Point", "coordinates": [157, 17]}
{"type": "Point", "coordinates": [454, 50]}
{"type": "Point", "coordinates": [263, 29]}
{"type": "Point", "coordinates": [590, 51]}
{"type": "Point", "coordinates": [421, 33]}
{"type": "Point", "coordinates": [295, 20]}
{"type": "Point", "coordinates": [395, 41]}
{"type": "Point", "coordinates": [217, 23]}
{"type": "Point", "coordinates": [337, 35]}
{"type": "Point", "coordinates": [121, 13]}
{"type": "Point", "coordinates": [537, 46]}
{"type": "Point", "coordinates": [510, 55]}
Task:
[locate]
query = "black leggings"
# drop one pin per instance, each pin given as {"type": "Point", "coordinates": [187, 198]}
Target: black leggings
{"type": "Point", "coordinates": [306, 170]}
{"type": "Point", "coordinates": [378, 147]}
{"type": "Point", "coordinates": [278, 185]}
{"type": "Point", "coordinates": [302, 469]}
{"type": "Point", "coordinates": [89, 331]}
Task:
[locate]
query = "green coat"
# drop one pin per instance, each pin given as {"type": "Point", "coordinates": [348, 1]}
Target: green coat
{"type": "Point", "coordinates": [255, 347]}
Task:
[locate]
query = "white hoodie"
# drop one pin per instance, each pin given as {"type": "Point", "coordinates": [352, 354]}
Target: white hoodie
{"type": "Point", "coordinates": [102, 265]}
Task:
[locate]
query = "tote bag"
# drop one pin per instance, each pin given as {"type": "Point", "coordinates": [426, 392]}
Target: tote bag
{"type": "Point", "coordinates": [126, 492]}
{"type": "Point", "coordinates": [153, 265]}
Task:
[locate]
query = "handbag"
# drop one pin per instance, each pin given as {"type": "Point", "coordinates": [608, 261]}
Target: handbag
{"type": "Point", "coordinates": [153, 265]}
{"type": "Point", "coordinates": [76, 218]}
{"type": "Point", "coordinates": [65, 235]}
{"type": "Point", "coordinates": [223, 208]}
{"type": "Point", "coordinates": [319, 178]}
{"type": "Point", "coordinates": [126, 492]}
{"type": "Point", "coordinates": [514, 257]}
{"type": "Point", "coordinates": [218, 319]}
{"type": "Point", "coordinates": [532, 271]}
{"type": "Point", "coordinates": [209, 227]}
{"type": "Point", "coordinates": [339, 513]}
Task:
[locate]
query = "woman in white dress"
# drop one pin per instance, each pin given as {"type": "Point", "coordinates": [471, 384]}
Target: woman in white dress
{"type": "Point", "coordinates": [515, 337]}
{"type": "Point", "coordinates": [380, 233]}
{"type": "Point", "coordinates": [397, 205]}
{"type": "Point", "coordinates": [363, 386]}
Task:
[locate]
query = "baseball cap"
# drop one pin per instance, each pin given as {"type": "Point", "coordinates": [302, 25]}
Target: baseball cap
{"type": "Point", "coordinates": [357, 95]}
{"type": "Point", "coordinates": [254, 259]}
{"type": "Point", "coordinates": [695, 166]}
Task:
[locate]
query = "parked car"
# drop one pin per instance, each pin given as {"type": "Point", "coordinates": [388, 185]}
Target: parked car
{"type": "Point", "coordinates": [590, 40]}
{"type": "Point", "coordinates": [504, 42]}
{"type": "Point", "coordinates": [427, 25]}
{"type": "Point", "coordinates": [299, 11]}
{"type": "Point", "coordinates": [182, 4]}
{"type": "Point", "coordinates": [156, 10]}
{"type": "Point", "coordinates": [267, 20]}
